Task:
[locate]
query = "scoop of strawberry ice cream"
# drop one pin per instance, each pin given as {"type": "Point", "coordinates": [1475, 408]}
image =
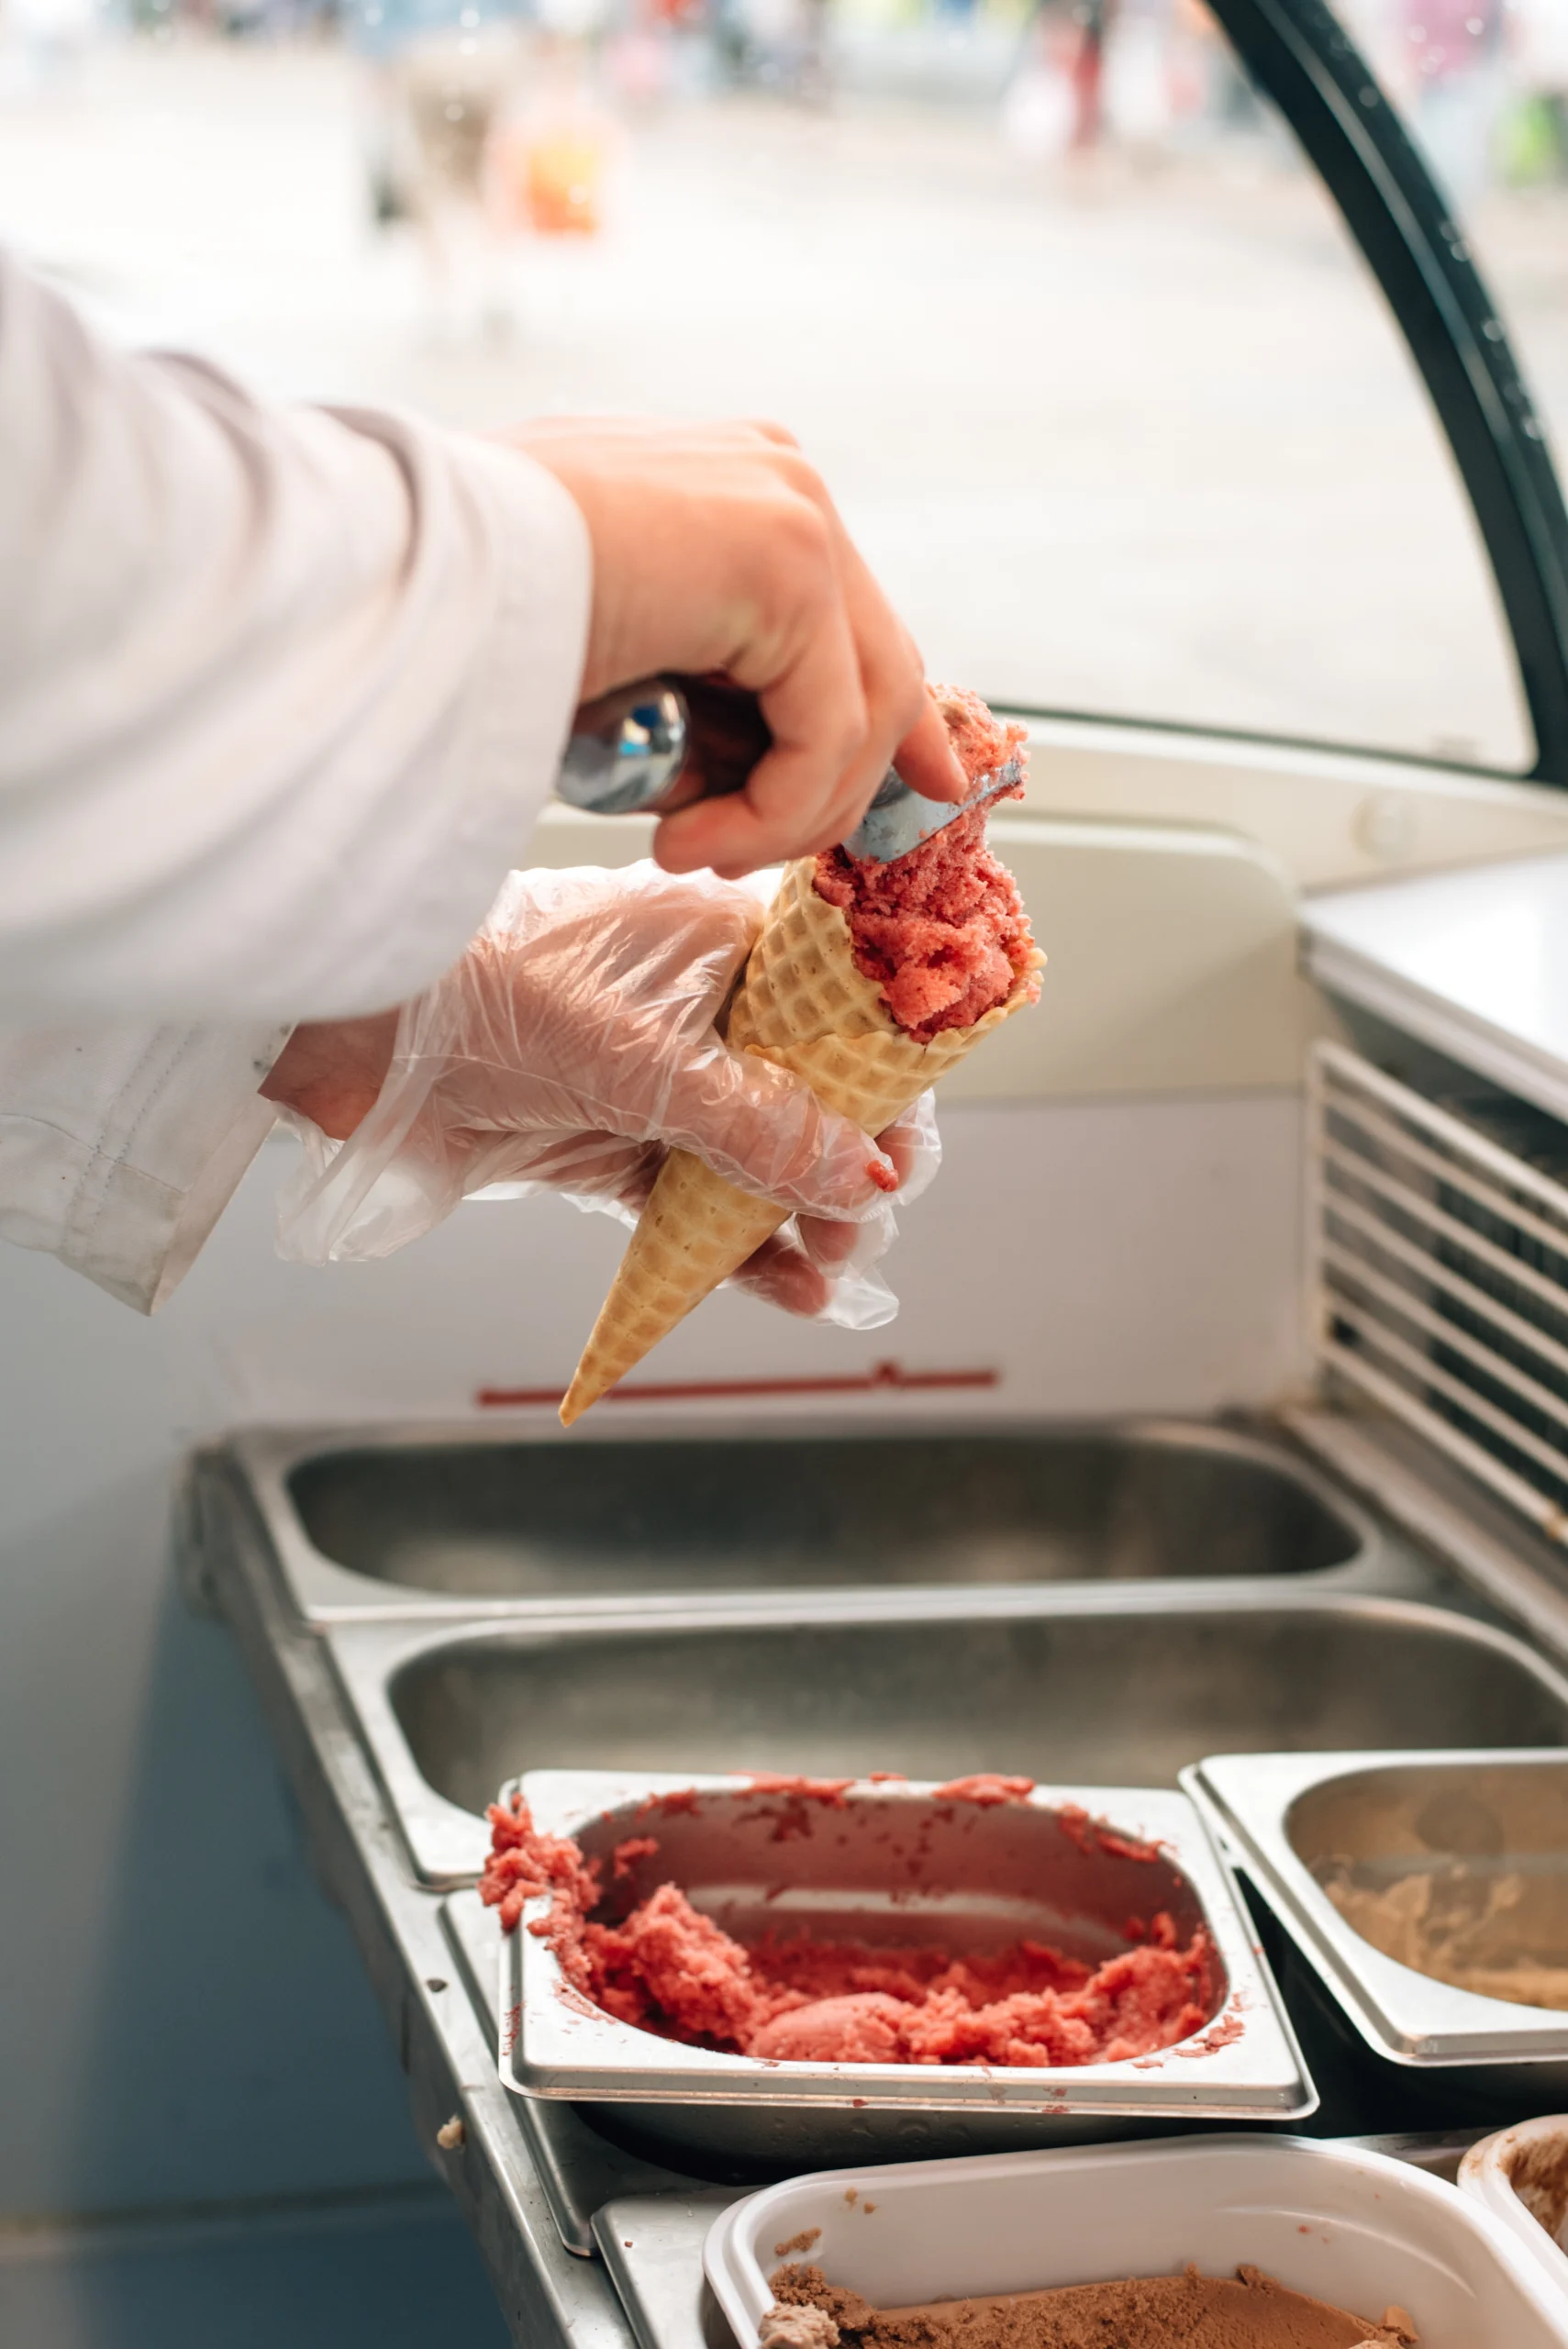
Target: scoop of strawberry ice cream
{"type": "Point", "coordinates": [684, 1964]}
{"type": "Point", "coordinates": [942, 932]}
{"type": "Point", "coordinates": [863, 2028]}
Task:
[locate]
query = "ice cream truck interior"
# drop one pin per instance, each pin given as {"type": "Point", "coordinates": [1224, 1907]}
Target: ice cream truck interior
{"type": "Point", "coordinates": [1225, 1413]}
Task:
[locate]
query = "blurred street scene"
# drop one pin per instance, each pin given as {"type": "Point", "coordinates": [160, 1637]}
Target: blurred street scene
{"type": "Point", "coordinates": [1079, 343]}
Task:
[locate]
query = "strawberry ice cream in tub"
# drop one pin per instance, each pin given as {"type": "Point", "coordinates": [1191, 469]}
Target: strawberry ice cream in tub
{"type": "Point", "coordinates": [772, 1969]}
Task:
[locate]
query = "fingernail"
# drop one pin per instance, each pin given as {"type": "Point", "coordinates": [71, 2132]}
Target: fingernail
{"type": "Point", "coordinates": [881, 1173]}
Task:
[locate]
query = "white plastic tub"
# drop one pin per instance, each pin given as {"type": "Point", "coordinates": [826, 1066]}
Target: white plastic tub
{"type": "Point", "coordinates": [1355, 2228]}
{"type": "Point", "coordinates": [1520, 2176]}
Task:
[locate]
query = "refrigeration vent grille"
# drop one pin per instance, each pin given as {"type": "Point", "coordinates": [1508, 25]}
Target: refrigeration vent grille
{"type": "Point", "coordinates": [1439, 1255]}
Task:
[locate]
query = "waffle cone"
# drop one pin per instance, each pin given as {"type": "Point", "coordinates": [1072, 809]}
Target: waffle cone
{"type": "Point", "coordinates": [802, 1003]}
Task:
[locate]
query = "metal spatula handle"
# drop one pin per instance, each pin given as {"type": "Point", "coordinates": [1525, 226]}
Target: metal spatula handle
{"type": "Point", "coordinates": [665, 741]}
{"type": "Point", "coordinates": [662, 743]}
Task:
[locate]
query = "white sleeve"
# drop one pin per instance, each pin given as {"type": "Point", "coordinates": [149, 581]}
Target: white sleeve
{"type": "Point", "coordinates": [120, 1147]}
{"type": "Point", "coordinates": [281, 691]}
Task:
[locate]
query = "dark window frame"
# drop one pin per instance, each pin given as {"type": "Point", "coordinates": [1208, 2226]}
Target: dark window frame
{"type": "Point", "coordinates": [1298, 54]}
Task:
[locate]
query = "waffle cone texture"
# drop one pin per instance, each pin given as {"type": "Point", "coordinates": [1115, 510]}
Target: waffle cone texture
{"type": "Point", "coordinates": [802, 1003]}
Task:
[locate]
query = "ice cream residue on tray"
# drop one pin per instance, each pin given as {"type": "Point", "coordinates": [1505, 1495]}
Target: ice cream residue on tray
{"type": "Point", "coordinates": [1497, 1934]}
{"type": "Point", "coordinates": [942, 930]}
{"type": "Point", "coordinates": [666, 1968]}
{"type": "Point", "coordinates": [1247, 2310]}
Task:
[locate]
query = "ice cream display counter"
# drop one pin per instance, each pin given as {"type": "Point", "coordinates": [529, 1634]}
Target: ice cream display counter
{"type": "Point", "coordinates": [400, 1715]}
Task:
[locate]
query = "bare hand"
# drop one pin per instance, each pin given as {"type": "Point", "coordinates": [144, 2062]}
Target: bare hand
{"type": "Point", "coordinates": [717, 550]}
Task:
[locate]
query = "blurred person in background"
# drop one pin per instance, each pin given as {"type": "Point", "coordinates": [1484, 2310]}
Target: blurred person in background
{"type": "Point", "coordinates": [1136, 78]}
{"type": "Point", "coordinates": [439, 76]}
{"type": "Point", "coordinates": [659, 49]}
{"type": "Point", "coordinates": [550, 153]}
{"type": "Point", "coordinates": [1094, 19]}
{"type": "Point", "coordinates": [1141, 77]}
{"type": "Point", "coordinates": [1055, 99]}
{"type": "Point", "coordinates": [1455, 84]}
{"type": "Point", "coordinates": [781, 46]}
{"type": "Point", "coordinates": [1444, 64]}
{"type": "Point", "coordinates": [481, 121]}
{"type": "Point", "coordinates": [281, 691]}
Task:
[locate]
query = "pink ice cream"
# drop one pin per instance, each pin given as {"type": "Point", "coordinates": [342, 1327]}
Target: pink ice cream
{"type": "Point", "coordinates": [666, 1968]}
{"type": "Point", "coordinates": [942, 932]}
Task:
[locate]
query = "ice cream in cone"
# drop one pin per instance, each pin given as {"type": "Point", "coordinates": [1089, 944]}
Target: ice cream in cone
{"type": "Point", "coordinates": [860, 986]}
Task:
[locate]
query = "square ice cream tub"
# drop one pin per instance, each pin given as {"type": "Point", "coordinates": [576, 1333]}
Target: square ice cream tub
{"type": "Point", "coordinates": [1520, 2176]}
{"type": "Point", "coordinates": [895, 1863]}
{"type": "Point", "coordinates": [1493, 1824]}
{"type": "Point", "coordinates": [1340, 2222]}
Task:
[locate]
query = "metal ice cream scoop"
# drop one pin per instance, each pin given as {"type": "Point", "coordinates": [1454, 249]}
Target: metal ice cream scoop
{"type": "Point", "coordinates": [899, 819]}
{"type": "Point", "coordinates": [626, 751]}
{"type": "Point", "coordinates": [660, 744]}
{"type": "Point", "coordinates": [664, 742]}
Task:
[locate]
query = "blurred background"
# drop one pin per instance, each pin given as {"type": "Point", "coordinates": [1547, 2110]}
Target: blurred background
{"type": "Point", "coordinates": [1078, 341]}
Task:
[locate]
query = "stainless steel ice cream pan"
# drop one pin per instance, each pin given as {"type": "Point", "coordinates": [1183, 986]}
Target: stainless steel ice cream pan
{"type": "Point", "coordinates": [1460, 1857]}
{"type": "Point", "coordinates": [895, 1864]}
{"type": "Point", "coordinates": [1116, 1688]}
{"type": "Point", "coordinates": [520, 1521]}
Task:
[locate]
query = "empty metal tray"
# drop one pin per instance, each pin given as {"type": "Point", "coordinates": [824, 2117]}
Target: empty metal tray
{"type": "Point", "coordinates": [466, 1522]}
{"type": "Point", "coordinates": [1122, 1688]}
{"type": "Point", "coordinates": [1480, 1843]}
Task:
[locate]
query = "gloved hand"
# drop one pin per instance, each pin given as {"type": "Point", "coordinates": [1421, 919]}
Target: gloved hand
{"type": "Point", "coordinates": [571, 1046]}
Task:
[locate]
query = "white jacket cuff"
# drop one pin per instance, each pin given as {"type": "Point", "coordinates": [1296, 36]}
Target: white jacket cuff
{"type": "Point", "coordinates": [120, 1148]}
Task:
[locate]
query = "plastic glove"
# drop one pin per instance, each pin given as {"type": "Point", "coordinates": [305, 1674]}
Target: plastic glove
{"type": "Point", "coordinates": [571, 1046]}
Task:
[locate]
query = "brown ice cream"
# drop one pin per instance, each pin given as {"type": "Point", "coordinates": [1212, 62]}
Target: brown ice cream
{"type": "Point", "coordinates": [803, 2328]}
{"type": "Point", "coordinates": [1538, 2171]}
{"type": "Point", "coordinates": [1458, 1870]}
{"type": "Point", "coordinates": [1247, 2310]}
{"type": "Point", "coordinates": [1501, 1936]}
